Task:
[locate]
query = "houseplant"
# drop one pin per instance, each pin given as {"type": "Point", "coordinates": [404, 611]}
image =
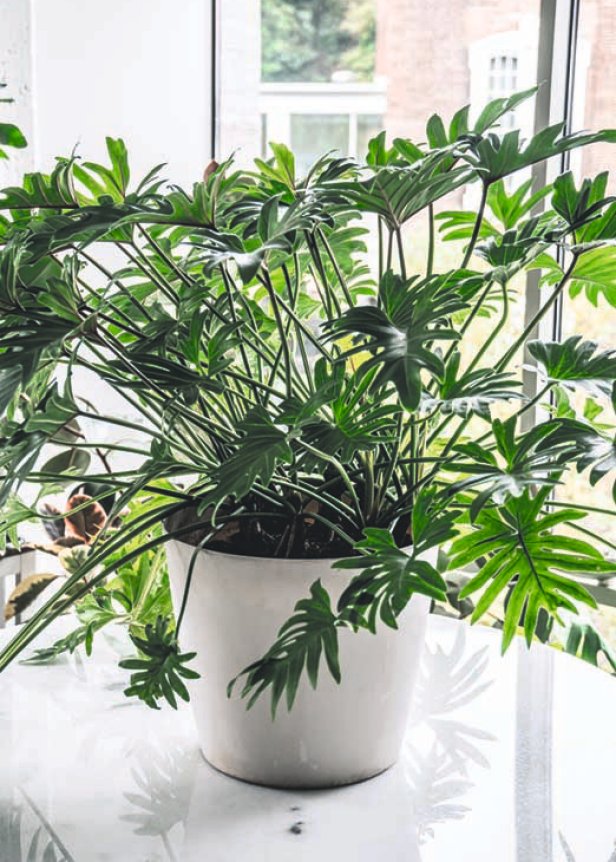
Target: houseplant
{"type": "Point", "coordinates": [291, 405]}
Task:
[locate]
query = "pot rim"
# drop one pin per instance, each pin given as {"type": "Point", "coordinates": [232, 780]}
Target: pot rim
{"type": "Point", "coordinates": [250, 559]}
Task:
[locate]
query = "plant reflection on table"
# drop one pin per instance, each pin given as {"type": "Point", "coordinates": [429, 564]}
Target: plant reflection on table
{"type": "Point", "coordinates": [165, 780]}
{"type": "Point", "coordinates": [432, 778]}
{"type": "Point", "coordinates": [447, 682]}
{"type": "Point", "coordinates": [568, 853]}
{"type": "Point", "coordinates": [43, 844]}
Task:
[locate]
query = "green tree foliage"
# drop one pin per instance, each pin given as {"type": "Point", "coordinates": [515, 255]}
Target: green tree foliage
{"type": "Point", "coordinates": [309, 40]}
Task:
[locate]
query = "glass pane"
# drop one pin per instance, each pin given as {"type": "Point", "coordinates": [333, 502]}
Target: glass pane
{"type": "Point", "coordinates": [315, 134]}
{"type": "Point", "coordinates": [368, 125]}
{"type": "Point", "coordinates": [316, 41]}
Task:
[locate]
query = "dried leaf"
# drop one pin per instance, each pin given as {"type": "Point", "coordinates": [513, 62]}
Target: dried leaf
{"type": "Point", "coordinates": [311, 507]}
{"type": "Point", "coordinates": [26, 592]}
{"type": "Point", "coordinates": [60, 545]}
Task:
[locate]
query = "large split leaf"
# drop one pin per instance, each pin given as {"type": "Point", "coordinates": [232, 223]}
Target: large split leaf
{"type": "Point", "coordinates": [518, 551]}
{"type": "Point", "coordinates": [307, 634]}
{"type": "Point", "coordinates": [495, 157]}
{"type": "Point", "coordinates": [472, 391]}
{"type": "Point", "coordinates": [388, 580]}
{"type": "Point", "coordinates": [519, 462]}
{"type": "Point", "coordinates": [575, 361]}
{"type": "Point", "coordinates": [261, 447]}
{"type": "Point", "coordinates": [399, 335]}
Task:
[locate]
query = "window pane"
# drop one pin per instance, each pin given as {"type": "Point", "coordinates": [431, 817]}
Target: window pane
{"type": "Point", "coordinates": [316, 41]}
{"type": "Point", "coordinates": [368, 125]}
{"type": "Point", "coordinates": [315, 134]}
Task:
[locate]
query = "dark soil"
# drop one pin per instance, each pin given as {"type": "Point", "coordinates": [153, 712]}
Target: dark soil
{"type": "Point", "coordinates": [299, 537]}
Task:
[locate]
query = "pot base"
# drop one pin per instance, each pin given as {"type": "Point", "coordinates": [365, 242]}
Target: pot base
{"type": "Point", "coordinates": [292, 785]}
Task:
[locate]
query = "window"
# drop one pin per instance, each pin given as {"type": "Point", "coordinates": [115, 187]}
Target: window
{"type": "Point", "coordinates": [503, 81]}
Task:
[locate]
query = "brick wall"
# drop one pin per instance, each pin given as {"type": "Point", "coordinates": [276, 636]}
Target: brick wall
{"type": "Point", "coordinates": [423, 53]}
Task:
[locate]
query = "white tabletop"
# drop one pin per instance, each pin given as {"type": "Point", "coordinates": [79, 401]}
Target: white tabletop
{"type": "Point", "coordinates": [507, 760]}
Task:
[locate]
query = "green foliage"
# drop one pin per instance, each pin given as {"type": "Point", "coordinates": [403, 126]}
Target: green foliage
{"type": "Point", "coordinates": [495, 157]}
{"type": "Point", "coordinates": [595, 274]}
{"type": "Point", "coordinates": [311, 39]}
{"type": "Point", "coordinates": [292, 399]}
{"type": "Point", "coordinates": [578, 208]}
{"type": "Point", "coordinates": [10, 135]}
{"type": "Point", "coordinates": [518, 462]}
{"type": "Point", "coordinates": [396, 334]}
{"type": "Point", "coordinates": [309, 633]}
{"type": "Point", "coordinates": [389, 579]}
{"type": "Point", "coordinates": [472, 391]}
{"type": "Point", "coordinates": [584, 640]}
{"type": "Point", "coordinates": [161, 668]}
{"type": "Point", "coordinates": [507, 209]}
{"type": "Point", "coordinates": [515, 545]}
{"type": "Point", "coordinates": [576, 362]}
{"type": "Point", "coordinates": [263, 445]}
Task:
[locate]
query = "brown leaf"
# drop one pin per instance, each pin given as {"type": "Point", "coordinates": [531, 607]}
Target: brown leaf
{"type": "Point", "coordinates": [213, 165]}
{"type": "Point", "coordinates": [226, 532]}
{"type": "Point", "coordinates": [88, 521]}
{"type": "Point", "coordinates": [26, 592]}
{"type": "Point", "coordinates": [311, 507]}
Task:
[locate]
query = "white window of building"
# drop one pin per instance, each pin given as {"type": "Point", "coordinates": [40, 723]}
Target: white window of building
{"type": "Point", "coordinates": [502, 64]}
{"type": "Point", "coordinates": [503, 81]}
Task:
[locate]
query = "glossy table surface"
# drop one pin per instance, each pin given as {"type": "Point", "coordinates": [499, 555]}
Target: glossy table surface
{"type": "Point", "coordinates": [511, 760]}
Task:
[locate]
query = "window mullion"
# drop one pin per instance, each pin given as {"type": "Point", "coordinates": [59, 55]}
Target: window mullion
{"type": "Point", "coordinates": [555, 67]}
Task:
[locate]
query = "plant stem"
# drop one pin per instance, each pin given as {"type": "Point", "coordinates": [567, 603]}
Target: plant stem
{"type": "Point", "coordinates": [495, 331]}
{"type": "Point", "coordinates": [329, 459]}
{"type": "Point", "coordinates": [401, 259]}
{"type": "Point", "coordinates": [504, 361]}
{"type": "Point", "coordinates": [477, 226]}
{"type": "Point", "coordinates": [336, 267]}
{"type": "Point", "coordinates": [430, 260]}
{"type": "Point", "coordinates": [284, 344]}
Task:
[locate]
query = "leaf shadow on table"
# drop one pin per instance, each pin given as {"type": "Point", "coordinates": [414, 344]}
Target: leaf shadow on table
{"type": "Point", "coordinates": [426, 788]}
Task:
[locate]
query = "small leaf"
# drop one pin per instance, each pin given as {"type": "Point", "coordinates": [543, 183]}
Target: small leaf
{"type": "Point", "coordinates": [11, 136]}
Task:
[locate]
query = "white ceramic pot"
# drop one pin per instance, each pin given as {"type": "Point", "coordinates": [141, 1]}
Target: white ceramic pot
{"type": "Point", "coordinates": [336, 734]}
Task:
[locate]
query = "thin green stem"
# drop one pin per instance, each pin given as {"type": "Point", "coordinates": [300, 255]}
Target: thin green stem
{"type": "Point", "coordinates": [335, 463]}
{"type": "Point", "coordinates": [401, 258]}
{"type": "Point", "coordinates": [336, 267]}
{"type": "Point", "coordinates": [529, 329]}
{"type": "Point", "coordinates": [476, 227]}
{"type": "Point", "coordinates": [430, 256]}
{"type": "Point", "coordinates": [495, 330]}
